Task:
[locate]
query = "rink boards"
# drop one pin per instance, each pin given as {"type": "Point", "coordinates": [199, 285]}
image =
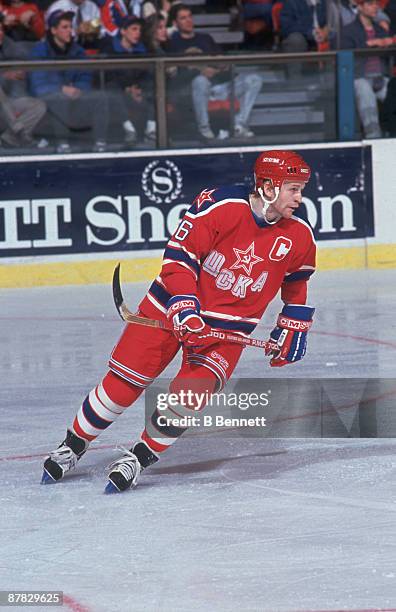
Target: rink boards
{"type": "Point", "coordinates": [69, 219]}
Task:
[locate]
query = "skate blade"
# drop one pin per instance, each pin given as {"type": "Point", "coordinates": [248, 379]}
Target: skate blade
{"type": "Point", "coordinates": [47, 479]}
{"type": "Point", "coordinates": [111, 488]}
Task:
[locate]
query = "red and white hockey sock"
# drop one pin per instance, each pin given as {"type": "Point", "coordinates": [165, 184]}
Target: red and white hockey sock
{"type": "Point", "coordinates": [103, 405]}
{"type": "Point", "coordinates": [156, 445]}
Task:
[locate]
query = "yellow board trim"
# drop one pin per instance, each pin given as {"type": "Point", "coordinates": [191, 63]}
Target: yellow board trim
{"type": "Point", "coordinates": [378, 256]}
{"type": "Point", "coordinates": [77, 272]}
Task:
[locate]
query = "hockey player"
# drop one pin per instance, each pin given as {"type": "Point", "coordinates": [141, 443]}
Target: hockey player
{"type": "Point", "coordinates": [230, 255]}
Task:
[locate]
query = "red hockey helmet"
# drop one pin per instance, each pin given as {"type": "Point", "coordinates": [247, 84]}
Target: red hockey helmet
{"type": "Point", "coordinates": [280, 166]}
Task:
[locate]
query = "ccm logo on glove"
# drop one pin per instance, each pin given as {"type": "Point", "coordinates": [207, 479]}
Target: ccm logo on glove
{"type": "Point", "coordinates": [180, 305]}
{"type": "Point", "coordinates": [188, 326]}
{"type": "Point", "coordinates": [290, 334]}
{"type": "Point", "coordinates": [293, 324]}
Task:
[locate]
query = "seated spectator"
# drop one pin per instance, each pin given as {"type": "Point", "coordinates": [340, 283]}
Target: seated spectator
{"type": "Point", "coordinates": [348, 10]}
{"type": "Point", "coordinates": [342, 13]}
{"type": "Point", "coordinates": [86, 23]}
{"type": "Point", "coordinates": [112, 12]}
{"type": "Point", "coordinates": [303, 25]}
{"type": "Point", "coordinates": [19, 113]}
{"type": "Point", "coordinates": [155, 35]}
{"type": "Point", "coordinates": [371, 80]}
{"type": "Point", "coordinates": [133, 102]}
{"type": "Point", "coordinates": [71, 101]}
{"type": "Point", "coordinates": [23, 20]}
{"type": "Point", "coordinates": [258, 9]}
{"type": "Point", "coordinates": [211, 82]}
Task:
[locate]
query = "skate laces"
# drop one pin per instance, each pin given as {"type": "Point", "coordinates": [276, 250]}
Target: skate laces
{"type": "Point", "coordinates": [128, 465]}
{"type": "Point", "coordinates": [64, 456]}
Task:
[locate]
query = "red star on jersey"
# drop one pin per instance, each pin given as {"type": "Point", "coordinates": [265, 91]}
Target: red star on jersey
{"type": "Point", "coordinates": [246, 259]}
{"type": "Point", "coordinates": [204, 196]}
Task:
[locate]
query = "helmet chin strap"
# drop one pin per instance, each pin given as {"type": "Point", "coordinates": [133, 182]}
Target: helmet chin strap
{"type": "Point", "coordinates": [267, 203]}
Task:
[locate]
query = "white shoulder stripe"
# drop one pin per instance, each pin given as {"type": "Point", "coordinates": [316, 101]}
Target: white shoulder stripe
{"type": "Point", "coordinates": [176, 245]}
{"type": "Point", "coordinates": [306, 225]}
{"type": "Point", "coordinates": [155, 303]}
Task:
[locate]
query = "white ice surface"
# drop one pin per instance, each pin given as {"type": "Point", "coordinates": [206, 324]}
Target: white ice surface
{"type": "Point", "coordinates": [221, 523]}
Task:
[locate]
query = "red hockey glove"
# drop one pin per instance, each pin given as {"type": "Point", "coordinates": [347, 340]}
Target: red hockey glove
{"type": "Point", "coordinates": [290, 334]}
{"type": "Point", "coordinates": [188, 327]}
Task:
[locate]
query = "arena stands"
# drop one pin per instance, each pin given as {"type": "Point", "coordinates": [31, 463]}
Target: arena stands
{"type": "Point", "coordinates": [296, 99]}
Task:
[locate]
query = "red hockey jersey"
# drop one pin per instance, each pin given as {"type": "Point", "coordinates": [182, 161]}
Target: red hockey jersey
{"type": "Point", "coordinates": [233, 261]}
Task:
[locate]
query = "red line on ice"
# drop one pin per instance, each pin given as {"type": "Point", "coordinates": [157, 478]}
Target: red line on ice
{"type": "Point", "coordinates": [74, 605]}
{"type": "Point", "coordinates": [329, 411]}
{"type": "Point", "coordinates": [35, 455]}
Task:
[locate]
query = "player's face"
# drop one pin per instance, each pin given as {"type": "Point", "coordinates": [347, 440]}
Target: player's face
{"type": "Point", "coordinates": [289, 199]}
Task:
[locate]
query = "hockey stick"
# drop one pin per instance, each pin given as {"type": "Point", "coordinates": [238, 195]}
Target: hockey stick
{"type": "Point", "coordinates": [129, 317]}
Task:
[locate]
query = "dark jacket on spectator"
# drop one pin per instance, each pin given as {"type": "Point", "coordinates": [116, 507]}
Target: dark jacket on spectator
{"type": "Point", "coordinates": [297, 16]}
{"type": "Point", "coordinates": [44, 82]}
{"type": "Point", "coordinates": [200, 44]}
{"type": "Point", "coordinates": [354, 36]}
{"type": "Point", "coordinates": [120, 79]}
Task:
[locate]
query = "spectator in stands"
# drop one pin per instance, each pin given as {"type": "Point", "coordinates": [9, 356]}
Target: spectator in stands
{"type": "Point", "coordinates": [371, 78]}
{"type": "Point", "coordinates": [161, 8]}
{"type": "Point", "coordinates": [69, 96]}
{"type": "Point", "coordinates": [86, 23]}
{"type": "Point", "coordinates": [171, 16]}
{"type": "Point", "coordinates": [303, 25]}
{"type": "Point", "coordinates": [132, 89]}
{"type": "Point", "coordinates": [211, 82]}
{"type": "Point", "coordinates": [23, 20]}
{"type": "Point", "coordinates": [258, 9]}
{"type": "Point", "coordinates": [348, 10]}
{"type": "Point", "coordinates": [342, 13]}
{"type": "Point", "coordinates": [155, 35]}
{"type": "Point", "coordinates": [19, 113]}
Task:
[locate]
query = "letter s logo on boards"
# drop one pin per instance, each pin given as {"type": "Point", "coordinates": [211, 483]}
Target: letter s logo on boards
{"type": "Point", "coordinates": [280, 248]}
{"type": "Point", "coordinates": [162, 181]}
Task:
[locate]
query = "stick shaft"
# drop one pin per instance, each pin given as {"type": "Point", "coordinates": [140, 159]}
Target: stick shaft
{"type": "Point", "coordinates": [130, 317]}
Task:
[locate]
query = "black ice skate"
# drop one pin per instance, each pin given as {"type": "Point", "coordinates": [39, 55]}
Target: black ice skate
{"type": "Point", "coordinates": [125, 471]}
{"type": "Point", "coordinates": [64, 458]}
